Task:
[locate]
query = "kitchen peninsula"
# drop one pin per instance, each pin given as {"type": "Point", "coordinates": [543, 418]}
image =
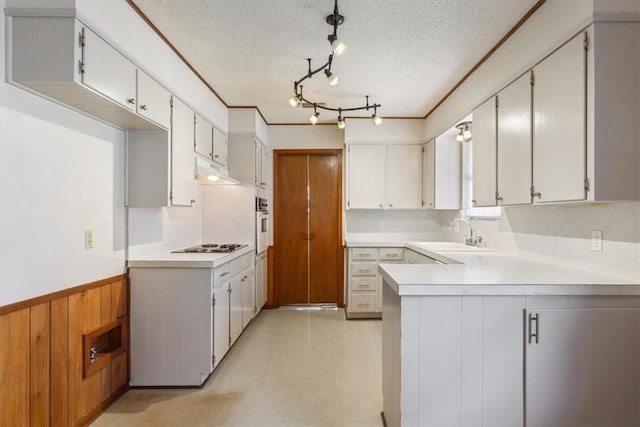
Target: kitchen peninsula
{"type": "Point", "coordinates": [486, 338]}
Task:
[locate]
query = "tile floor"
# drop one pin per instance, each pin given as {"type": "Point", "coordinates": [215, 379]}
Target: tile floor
{"type": "Point", "coordinates": [288, 368]}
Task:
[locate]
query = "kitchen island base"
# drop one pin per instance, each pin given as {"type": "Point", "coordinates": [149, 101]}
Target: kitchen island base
{"type": "Point", "coordinates": [510, 360]}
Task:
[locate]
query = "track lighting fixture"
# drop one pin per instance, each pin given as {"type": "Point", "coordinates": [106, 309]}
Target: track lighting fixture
{"type": "Point", "coordinates": [465, 134]}
{"type": "Point", "coordinates": [314, 118]}
{"type": "Point", "coordinates": [337, 49]}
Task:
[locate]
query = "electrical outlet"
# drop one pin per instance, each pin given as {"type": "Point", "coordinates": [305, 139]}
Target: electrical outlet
{"type": "Point", "coordinates": [596, 240]}
{"type": "Point", "coordinates": [88, 239]}
{"type": "Point", "coordinates": [381, 225]}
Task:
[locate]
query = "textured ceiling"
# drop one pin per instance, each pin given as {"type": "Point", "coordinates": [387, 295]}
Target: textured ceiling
{"type": "Point", "coordinates": [405, 54]}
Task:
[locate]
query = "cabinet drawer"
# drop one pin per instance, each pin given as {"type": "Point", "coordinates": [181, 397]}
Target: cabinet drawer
{"type": "Point", "coordinates": [363, 302]}
{"type": "Point", "coordinates": [364, 254]}
{"type": "Point", "coordinates": [364, 269]}
{"type": "Point", "coordinates": [363, 284]}
{"type": "Point", "coordinates": [391, 254]}
{"type": "Point", "coordinates": [221, 274]}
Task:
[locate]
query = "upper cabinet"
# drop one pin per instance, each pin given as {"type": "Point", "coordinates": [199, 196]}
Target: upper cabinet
{"type": "Point", "coordinates": [248, 160]}
{"type": "Point", "coordinates": [484, 154]}
{"type": "Point", "coordinates": [384, 176]}
{"type": "Point", "coordinates": [442, 169]}
{"type": "Point", "coordinates": [63, 59]}
{"type": "Point", "coordinates": [566, 131]}
{"type": "Point", "coordinates": [559, 127]}
{"type": "Point", "coordinates": [153, 101]}
{"type": "Point", "coordinates": [183, 187]}
{"type": "Point", "coordinates": [210, 142]}
{"type": "Point", "coordinates": [514, 143]}
{"type": "Point", "coordinates": [366, 176]}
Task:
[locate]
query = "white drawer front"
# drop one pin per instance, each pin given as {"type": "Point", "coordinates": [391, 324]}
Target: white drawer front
{"type": "Point", "coordinates": [364, 269]}
{"type": "Point", "coordinates": [221, 274]}
{"type": "Point", "coordinates": [364, 254]}
{"type": "Point", "coordinates": [391, 254]}
{"type": "Point", "coordinates": [363, 302]}
{"type": "Point", "coordinates": [363, 284]}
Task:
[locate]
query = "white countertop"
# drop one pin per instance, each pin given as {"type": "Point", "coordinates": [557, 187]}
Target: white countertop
{"type": "Point", "coordinates": [187, 260]}
{"type": "Point", "coordinates": [384, 240]}
{"type": "Point", "coordinates": [485, 272]}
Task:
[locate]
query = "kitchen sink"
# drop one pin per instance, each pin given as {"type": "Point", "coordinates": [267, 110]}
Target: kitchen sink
{"type": "Point", "coordinates": [450, 247]}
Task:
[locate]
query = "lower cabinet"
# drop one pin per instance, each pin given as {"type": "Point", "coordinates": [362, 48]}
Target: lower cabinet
{"type": "Point", "coordinates": [261, 280]}
{"type": "Point", "coordinates": [459, 360]}
{"type": "Point", "coordinates": [184, 320]}
{"type": "Point", "coordinates": [364, 299]}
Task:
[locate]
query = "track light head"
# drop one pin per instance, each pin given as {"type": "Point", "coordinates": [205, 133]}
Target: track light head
{"type": "Point", "coordinates": [338, 47]}
{"type": "Point", "coordinates": [294, 101]}
{"type": "Point", "coordinates": [341, 123]}
{"type": "Point", "coordinates": [376, 119]}
{"type": "Point", "coordinates": [332, 79]}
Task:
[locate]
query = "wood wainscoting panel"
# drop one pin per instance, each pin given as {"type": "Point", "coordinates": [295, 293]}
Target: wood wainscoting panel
{"type": "Point", "coordinates": [60, 362]}
{"type": "Point", "coordinates": [85, 310]}
{"type": "Point", "coordinates": [119, 298]}
{"type": "Point", "coordinates": [40, 361]}
{"type": "Point", "coordinates": [14, 368]}
{"type": "Point", "coordinates": [106, 316]}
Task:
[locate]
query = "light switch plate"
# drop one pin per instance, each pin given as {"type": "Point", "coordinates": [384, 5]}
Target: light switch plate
{"type": "Point", "coordinates": [596, 240]}
{"type": "Point", "coordinates": [88, 239]}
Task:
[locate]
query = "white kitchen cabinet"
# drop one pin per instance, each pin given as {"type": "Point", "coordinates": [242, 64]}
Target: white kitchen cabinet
{"type": "Point", "coordinates": [171, 326]}
{"type": "Point", "coordinates": [248, 298]}
{"type": "Point", "coordinates": [235, 309]}
{"type": "Point", "coordinates": [183, 187]}
{"type": "Point", "coordinates": [484, 153]}
{"type": "Point", "coordinates": [219, 147]}
{"type": "Point", "coordinates": [220, 321]}
{"type": "Point", "coordinates": [261, 281]}
{"type": "Point", "coordinates": [442, 169]}
{"type": "Point", "coordinates": [153, 100]}
{"type": "Point", "coordinates": [248, 159]}
{"type": "Point", "coordinates": [107, 71]}
{"type": "Point", "coordinates": [63, 59]}
{"type": "Point", "coordinates": [210, 142]}
{"type": "Point", "coordinates": [559, 153]}
{"type": "Point", "coordinates": [514, 161]}
{"type": "Point", "coordinates": [366, 179]}
{"type": "Point", "coordinates": [404, 176]}
{"type": "Point", "coordinates": [364, 292]}
{"type": "Point", "coordinates": [582, 367]}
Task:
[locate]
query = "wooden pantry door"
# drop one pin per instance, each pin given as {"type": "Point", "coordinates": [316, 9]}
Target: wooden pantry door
{"type": "Point", "coordinates": [308, 227]}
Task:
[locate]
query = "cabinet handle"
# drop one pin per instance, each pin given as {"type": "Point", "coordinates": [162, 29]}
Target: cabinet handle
{"type": "Point", "coordinates": [215, 156]}
{"type": "Point", "coordinates": [363, 270]}
{"type": "Point", "coordinates": [131, 100]}
{"type": "Point", "coordinates": [363, 286]}
{"type": "Point", "coordinates": [224, 274]}
{"type": "Point", "coordinates": [365, 255]}
{"type": "Point", "coordinates": [473, 202]}
{"type": "Point", "coordinates": [534, 318]}
{"type": "Point", "coordinates": [381, 205]}
{"type": "Point", "coordinates": [363, 305]}
{"type": "Point", "coordinates": [143, 107]}
{"type": "Point", "coordinates": [390, 205]}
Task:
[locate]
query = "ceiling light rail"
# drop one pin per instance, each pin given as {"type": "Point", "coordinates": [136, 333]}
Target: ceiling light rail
{"type": "Point", "coordinates": [338, 48]}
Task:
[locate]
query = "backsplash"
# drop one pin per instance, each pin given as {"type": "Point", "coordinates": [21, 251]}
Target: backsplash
{"type": "Point", "coordinates": [393, 221]}
{"type": "Point", "coordinates": [563, 233]}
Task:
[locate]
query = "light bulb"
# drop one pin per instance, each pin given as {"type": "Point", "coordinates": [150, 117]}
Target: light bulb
{"type": "Point", "coordinates": [459, 138]}
{"type": "Point", "coordinates": [338, 47]}
{"type": "Point", "coordinates": [212, 178]}
{"type": "Point", "coordinates": [467, 135]}
{"type": "Point", "coordinates": [293, 101]}
{"type": "Point", "coordinates": [332, 79]}
{"type": "Point", "coordinates": [313, 119]}
{"type": "Point", "coordinates": [341, 123]}
{"type": "Point", "coordinates": [377, 120]}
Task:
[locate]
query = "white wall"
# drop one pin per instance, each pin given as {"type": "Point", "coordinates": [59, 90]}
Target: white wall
{"type": "Point", "coordinates": [299, 137]}
{"type": "Point", "coordinates": [60, 174]}
{"type": "Point", "coordinates": [390, 130]}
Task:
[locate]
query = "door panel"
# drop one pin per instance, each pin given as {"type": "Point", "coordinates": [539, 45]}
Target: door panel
{"type": "Point", "coordinates": [291, 259]}
{"type": "Point", "coordinates": [323, 228]}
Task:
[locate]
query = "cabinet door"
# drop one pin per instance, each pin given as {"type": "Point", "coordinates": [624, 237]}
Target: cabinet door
{"type": "Point", "coordinates": [183, 188]}
{"type": "Point", "coordinates": [219, 147]}
{"type": "Point", "coordinates": [264, 169]}
{"type": "Point", "coordinates": [107, 71]}
{"type": "Point", "coordinates": [429, 174]}
{"type": "Point", "coordinates": [221, 322]}
{"type": "Point", "coordinates": [559, 135]}
{"type": "Point", "coordinates": [404, 176]}
{"type": "Point", "coordinates": [582, 367]}
{"type": "Point", "coordinates": [248, 297]}
{"type": "Point", "coordinates": [484, 154]}
{"type": "Point", "coordinates": [265, 274]}
{"type": "Point", "coordinates": [514, 143]}
{"type": "Point", "coordinates": [203, 144]}
{"type": "Point", "coordinates": [258, 164]}
{"type": "Point", "coordinates": [154, 101]}
{"type": "Point", "coordinates": [235, 309]}
{"type": "Point", "coordinates": [261, 281]}
{"type": "Point", "coordinates": [365, 176]}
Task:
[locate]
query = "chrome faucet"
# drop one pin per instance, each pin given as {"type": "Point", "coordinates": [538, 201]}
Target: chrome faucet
{"type": "Point", "coordinates": [473, 239]}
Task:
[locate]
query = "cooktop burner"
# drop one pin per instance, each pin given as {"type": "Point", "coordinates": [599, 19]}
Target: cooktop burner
{"type": "Point", "coordinates": [212, 248]}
